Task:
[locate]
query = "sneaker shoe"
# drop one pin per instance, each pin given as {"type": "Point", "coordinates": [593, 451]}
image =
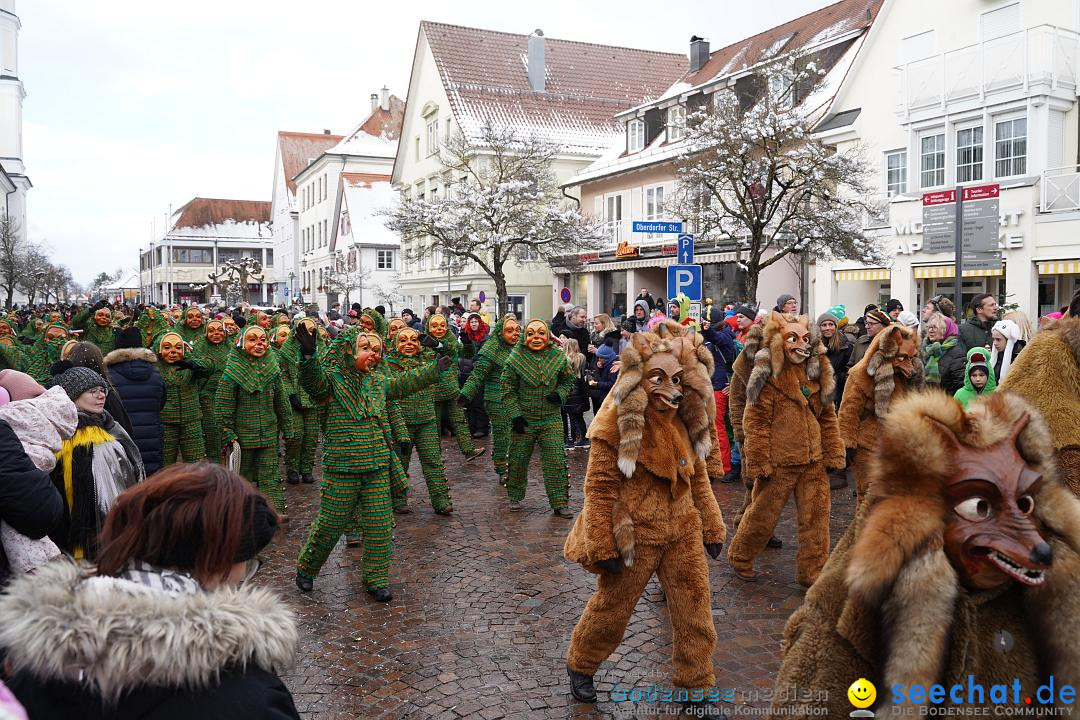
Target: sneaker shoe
{"type": "Point", "coordinates": [734, 476]}
{"type": "Point", "coordinates": [380, 594]}
{"type": "Point", "coordinates": [562, 512]}
{"type": "Point", "coordinates": [584, 442]}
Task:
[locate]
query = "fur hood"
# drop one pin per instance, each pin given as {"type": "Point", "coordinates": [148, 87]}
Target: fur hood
{"type": "Point", "coordinates": [114, 635]}
{"type": "Point", "coordinates": [698, 408]}
{"type": "Point", "coordinates": [877, 365]}
{"type": "Point", "coordinates": [129, 354]}
{"type": "Point", "coordinates": [770, 360]}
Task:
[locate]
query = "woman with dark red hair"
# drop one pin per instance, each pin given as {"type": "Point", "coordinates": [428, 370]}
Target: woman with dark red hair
{"type": "Point", "coordinates": [166, 625]}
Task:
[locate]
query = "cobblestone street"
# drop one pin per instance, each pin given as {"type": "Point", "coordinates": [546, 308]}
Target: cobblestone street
{"type": "Point", "coordinates": [484, 605]}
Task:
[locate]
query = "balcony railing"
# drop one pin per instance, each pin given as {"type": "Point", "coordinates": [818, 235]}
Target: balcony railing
{"type": "Point", "coordinates": [1041, 58]}
{"type": "Point", "coordinates": [1059, 189]}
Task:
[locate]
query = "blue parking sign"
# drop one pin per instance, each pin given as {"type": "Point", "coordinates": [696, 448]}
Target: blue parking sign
{"type": "Point", "coordinates": [685, 279]}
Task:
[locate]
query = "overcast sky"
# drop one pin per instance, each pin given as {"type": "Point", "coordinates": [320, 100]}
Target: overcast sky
{"type": "Point", "coordinates": [133, 105]}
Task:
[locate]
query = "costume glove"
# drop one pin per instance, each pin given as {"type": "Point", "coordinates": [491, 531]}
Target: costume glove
{"type": "Point", "coordinates": [519, 424]}
{"type": "Point", "coordinates": [294, 400]}
{"type": "Point", "coordinates": [406, 448]}
{"type": "Point", "coordinates": [613, 565]}
{"type": "Point", "coordinates": [306, 339]}
{"type": "Point", "coordinates": [187, 365]}
{"type": "Point", "coordinates": [444, 363]}
{"type": "Point", "coordinates": [553, 398]}
{"type": "Point", "coordinates": [714, 549]}
{"type": "Point", "coordinates": [463, 401]}
{"type": "Point", "coordinates": [429, 342]}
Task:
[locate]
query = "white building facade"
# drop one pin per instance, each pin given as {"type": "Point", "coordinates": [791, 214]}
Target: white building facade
{"type": "Point", "coordinates": [13, 180]}
{"type": "Point", "coordinates": [204, 234]}
{"type": "Point", "coordinates": [564, 92]}
{"type": "Point", "coordinates": [361, 244]}
{"type": "Point", "coordinates": [968, 92]}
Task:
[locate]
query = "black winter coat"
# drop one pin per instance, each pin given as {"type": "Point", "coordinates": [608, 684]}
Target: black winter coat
{"type": "Point", "coordinates": [29, 502]}
{"type": "Point", "coordinates": [952, 366]}
{"type": "Point", "coordinates": [578, 399]}
{"type": "Point", "coordinates": [142, 390]}
{"type": "Point", "coordinates": [721, 343]}
{"type": "Point", "coordinates": [839, 361]}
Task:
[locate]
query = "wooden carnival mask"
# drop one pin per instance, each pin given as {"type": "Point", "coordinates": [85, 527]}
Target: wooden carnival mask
{"type": "Point", "coordinates": [230, 325]}
{"type": "Point", "coordinates": [103, 317]}
{"type": "Point", "coordinates": [55, 317]}
{"type": "Point", "coordinates": [367, 323]}
{"type": "Point", "coordinates": [368, 352]}
{"type": "Point", "coordinates": [408, 342]}
{"type": "Point", "coordinates": [171, 348]}
{"type": "Point", "coordinates": [437, 326]}
{"type": "Point", "coordinates": [55, 332]}
{"type": "Point", "coordinates": [263, 320]}
{"type": "Point", "coordinates": [537, 336]}
{"type": "Point", "coordinates": [511, 332]}
{"type": "Point", "coordinates": [283, 320]}
{"type": "Point", "coordinates": [395, 325]}
{"type": "Point", "coordinates": [796, 334]}
{"type": "Point", "coordinates": [281, 334]}
{"type": "Point", "coordinates": [991, 535]}
{"type": "Point", "coordinates": [663, 378]}
{"type": "Point", "coordinates": [215, 332]}
{"type": "Point", "coordinates": [175, 314]}
{"type": "Point", "coordinates": [256, 343]}
{"type": "Point", "coordinates": [194, 318]}
{"type": "Point", "coordinates": [65, 351]}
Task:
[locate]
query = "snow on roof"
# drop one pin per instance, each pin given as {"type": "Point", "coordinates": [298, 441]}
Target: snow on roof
{"type": "Point", "coordinates": [363, 197]}
{"type": "Point", "coordinates": [485, 76]}
{"type": "Point", "coordinates": [217, 218]}
{"type": "Point", "coordinates": [128, 280]}
{"type": "Point", "coordinates": [361, 143]}
{"type": "Point", "coordinates": [675, 90]}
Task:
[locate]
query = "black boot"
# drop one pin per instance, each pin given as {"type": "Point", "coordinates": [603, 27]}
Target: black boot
{"type": "Point", "coordinates": [292, 477]}
{"type": "Point", "coordinates": [307, 478]}
{"type": "Point", "coordinates": [774, 543]}
{"type": "Point", "coordinates": [581, 686]}
{"type": "Point", "coordinates": [381, 594]}
{"type": "Point", "coordinates": [305, 583]}
{"type": "Point", "coordinates": [733, 475]}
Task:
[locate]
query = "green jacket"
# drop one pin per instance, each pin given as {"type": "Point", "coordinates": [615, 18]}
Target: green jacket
{"type": "Point", "coordinates": [213, 358]}
{"type": "Point", "coordinates": [103, 337]}
{"type": "Point", "coordinates": [448, 387]}
{"type": "Point", "coordinates": [488, 368]}
{"type": "Point", "coordinates": [358, 430]}
{"type": "Point", "coordinates": [968, 393]}
{"type": "Point", "coordinates": [529, 377]}
{"type": "Point", "coordinates": [417, 408]}
{"type": "Point", "coordinates": [253, 419]}
{"type": "Point", "coordinates": [181, 395]}
{"type": "Point", "coordinates": [289, 361]}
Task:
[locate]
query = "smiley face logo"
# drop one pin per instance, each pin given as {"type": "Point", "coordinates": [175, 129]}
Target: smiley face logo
{"type": "Point", "coordinates": [862, 693]}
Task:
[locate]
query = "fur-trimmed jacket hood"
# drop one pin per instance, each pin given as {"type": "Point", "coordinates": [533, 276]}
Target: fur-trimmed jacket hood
{"type": "Point", "coordinates": [128, 354]}
{"type": "Point", "coordinates": [889, 605]}
{"type": "Point", "coordinates": [114, 639]}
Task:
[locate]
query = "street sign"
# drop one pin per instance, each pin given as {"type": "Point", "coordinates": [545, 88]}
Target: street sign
{"type": "Point", "coordinates": [939, 227]}
{"type": "Point", "coordinates": [285, 292]}
{"type": "Point", "coordinates": [686, 249]}
{"type": "Point", "coordinates": [941, 197]}
{"type": "Point", "coordinates": [654, 226]}
{"type": "Point", "coordinates": [685, 279]}
{"type": "Point", "coordinates": [694, 312]}
{"type": "Point", "coordinates": [982, 192]}
{"type": "Point", "coordinates": [481, 297]}
{"type": "Point", "coordinates": [564, 295]}
{"type": "Point", "coordinates": [979, 228]}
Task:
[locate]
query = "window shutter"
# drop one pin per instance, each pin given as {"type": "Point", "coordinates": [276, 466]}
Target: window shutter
{"type": "Point", "coordinates": [637, 204]}
{"type": "Point", "coordinates": [1055, 140]}
{"type": "Point", "coordinates": [1002, 21]}
{"type": "Point", "coordinates": [598, 207]}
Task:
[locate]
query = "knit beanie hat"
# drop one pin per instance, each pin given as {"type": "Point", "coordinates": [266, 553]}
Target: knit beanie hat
{"type": "Point", "coordinates": [606, 353]}
{"type": "Point", "coordinates": [129, 337]}
{"type": "Point", "coordinates": [629, 325]}
{"type": "Point", "coordinates": [77, 380]}
{"type": "Point", "coordinates": [746, 311]}
{"type": "Point", "coordinates": [979, 360]}
{"type": "Point", "coordinates": [20, 386]}
{"type": "Point", "coordinates": [907, 319]}
{"type": "Point", "coordinates": [879, 316]}
{"type": "Point", "coordinates": [893, 304]}
{"type": "Point", "coordinates": [836, 313]}
{"type": "Point", "coordinates": [780, 301]}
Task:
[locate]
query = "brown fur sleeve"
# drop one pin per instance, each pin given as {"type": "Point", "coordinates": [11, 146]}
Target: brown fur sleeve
{"type": "Point", "coordinates": [737, 400]}
{"type": "Point", "coordinates": [602, 483]}
{"type": "Point", "coordinates": [851, 409]}
{"type": "Point", "coordinates": [832, 446]}
{"type": "Point", "coordinates": [713, 529]}
{"type": "Point", "coordinates": [757, 426]}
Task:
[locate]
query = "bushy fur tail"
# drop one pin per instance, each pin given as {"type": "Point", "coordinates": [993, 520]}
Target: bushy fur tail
{"type": "Point", "coordinates": [623, 528]}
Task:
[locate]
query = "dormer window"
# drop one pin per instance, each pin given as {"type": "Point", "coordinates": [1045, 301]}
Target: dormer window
{"type": "Point", "coordinates": [635, 136]}
{"type": "Point", "coordinates": [676, 123]}
{"type": "Point", "coordinates": [782, 88]}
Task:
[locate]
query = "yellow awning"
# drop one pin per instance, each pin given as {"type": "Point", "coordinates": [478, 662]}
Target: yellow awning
{"type": "Point", "coordinates": [868, 274]}
{"type": "Point", "coordinates": [1059, 267]}
{"type": "Point", "coordinates": [930, 272]}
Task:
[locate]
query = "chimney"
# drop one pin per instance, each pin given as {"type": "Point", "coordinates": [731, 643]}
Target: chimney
{"type": "Point", "coordinates": [384, 98]}
{"type": "Point", "coordinates": [699, 53]}
{"type": "Point", "coordinates": [325, 131]}
{"type": "Point", "coordinates": [374, 101]}
{"type": "Point", "coordinates": [536, 61]}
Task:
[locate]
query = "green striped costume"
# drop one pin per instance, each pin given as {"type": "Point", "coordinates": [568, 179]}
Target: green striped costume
{"type": "Point", "coordinates": [37, 359]}
{"type": "Point", "coordinates": [418, 410]}
{"type": "Point", "coordinates": [191, 335]}
{"type": "Point", "coordinates": [152, 322]}
{"type": "Point", "coordinates": [251, 409]}
{"type": "Point", "coordinates": [528, 378]}
{"type": "Point", "coordinates": [180, 418]}
{"type": "Point", "coordinates": [103, 337]}
{"type": "Point", "coordinates": [213, 357]}
{"type": "Point", "coordinates": [487, 374]}
{"type": "Point", "coordinates": [356, 461]}
{"type": "Point", "coordinates": [446, 394]}
{"type": "Point", "coordinates": [300, 453]}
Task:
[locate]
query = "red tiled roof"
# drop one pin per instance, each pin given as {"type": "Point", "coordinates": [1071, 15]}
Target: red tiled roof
{"type": "Point", "coordinates": [386, 123]}
{"type": "Point", "coordinates": [298, 149]}
{"type": "Point", "coordinates": [364, 178]}
{"type": "Point", "coordinates": [200, 212]}
{"type": "Point", "coordinates": [809, 29]}
{"type": "Point", "coordinates": [486, 79]}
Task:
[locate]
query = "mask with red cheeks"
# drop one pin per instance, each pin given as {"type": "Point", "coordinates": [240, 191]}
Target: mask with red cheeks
{"type": "Point", "coordinates": [194, 318]}
{"type": "Point", "coordinates": [992, 535]}
{"type": "Point", "coordinates": [437, 326]}
{"type": "Point", "coordinates": [102, 317]}
{"type": "Point", "coordinates": [255, 342]}
{"type": "Point", "coordinates": [395, 325]}
{"type": "Point", "coordinates": [215, 332]}
{"type": "Point", "coordinates": [537, 337]}
{"type": "Point", "coordinates": [55, 332]}
{"type": "Point", "coordinates": [263, 320]}
{"type": "Point", "coordinates": [171, 348]}
{"type": "Point", "coordinates": [281, 334]}
{"type": "Point", "coordinates": [368, 352]}
{"type": "Point", "coordinates": [367, 323]}
{"type": "Point", "coordinates": [511, 332]}
{"type": "Point", "coordinates": [408, 342]}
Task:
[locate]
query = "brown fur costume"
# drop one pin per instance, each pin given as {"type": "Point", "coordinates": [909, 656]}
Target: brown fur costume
{"type": "Point", "coordinates": [648, 502]}
{"type": "Point", "coordinates": [872, 387]}
{"type": "Point", "coordinates": [889, 607]}
{"type": "Point", "coordinates": [1047, 374]}
{"type": "Point", "coordinates": [737, 404]}
{"type": "Point", "coordinates": [791, 437]}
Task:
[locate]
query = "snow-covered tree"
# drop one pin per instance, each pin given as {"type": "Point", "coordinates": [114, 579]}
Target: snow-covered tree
{"type": "Point", "coordinates": [346, 276]}
{"type": "Point", "coordinates": [10, 257]}
{"type": "Point", "coordinates": [754, 175]}
{"type": "Point", "coordinates": [388, 294]}
{"type": "Point", "coordinates": [232, 279]}
{"type": "Point", "coordinates": [503, 203]}
{"type": "Point", "coordinates": [34, 270]}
